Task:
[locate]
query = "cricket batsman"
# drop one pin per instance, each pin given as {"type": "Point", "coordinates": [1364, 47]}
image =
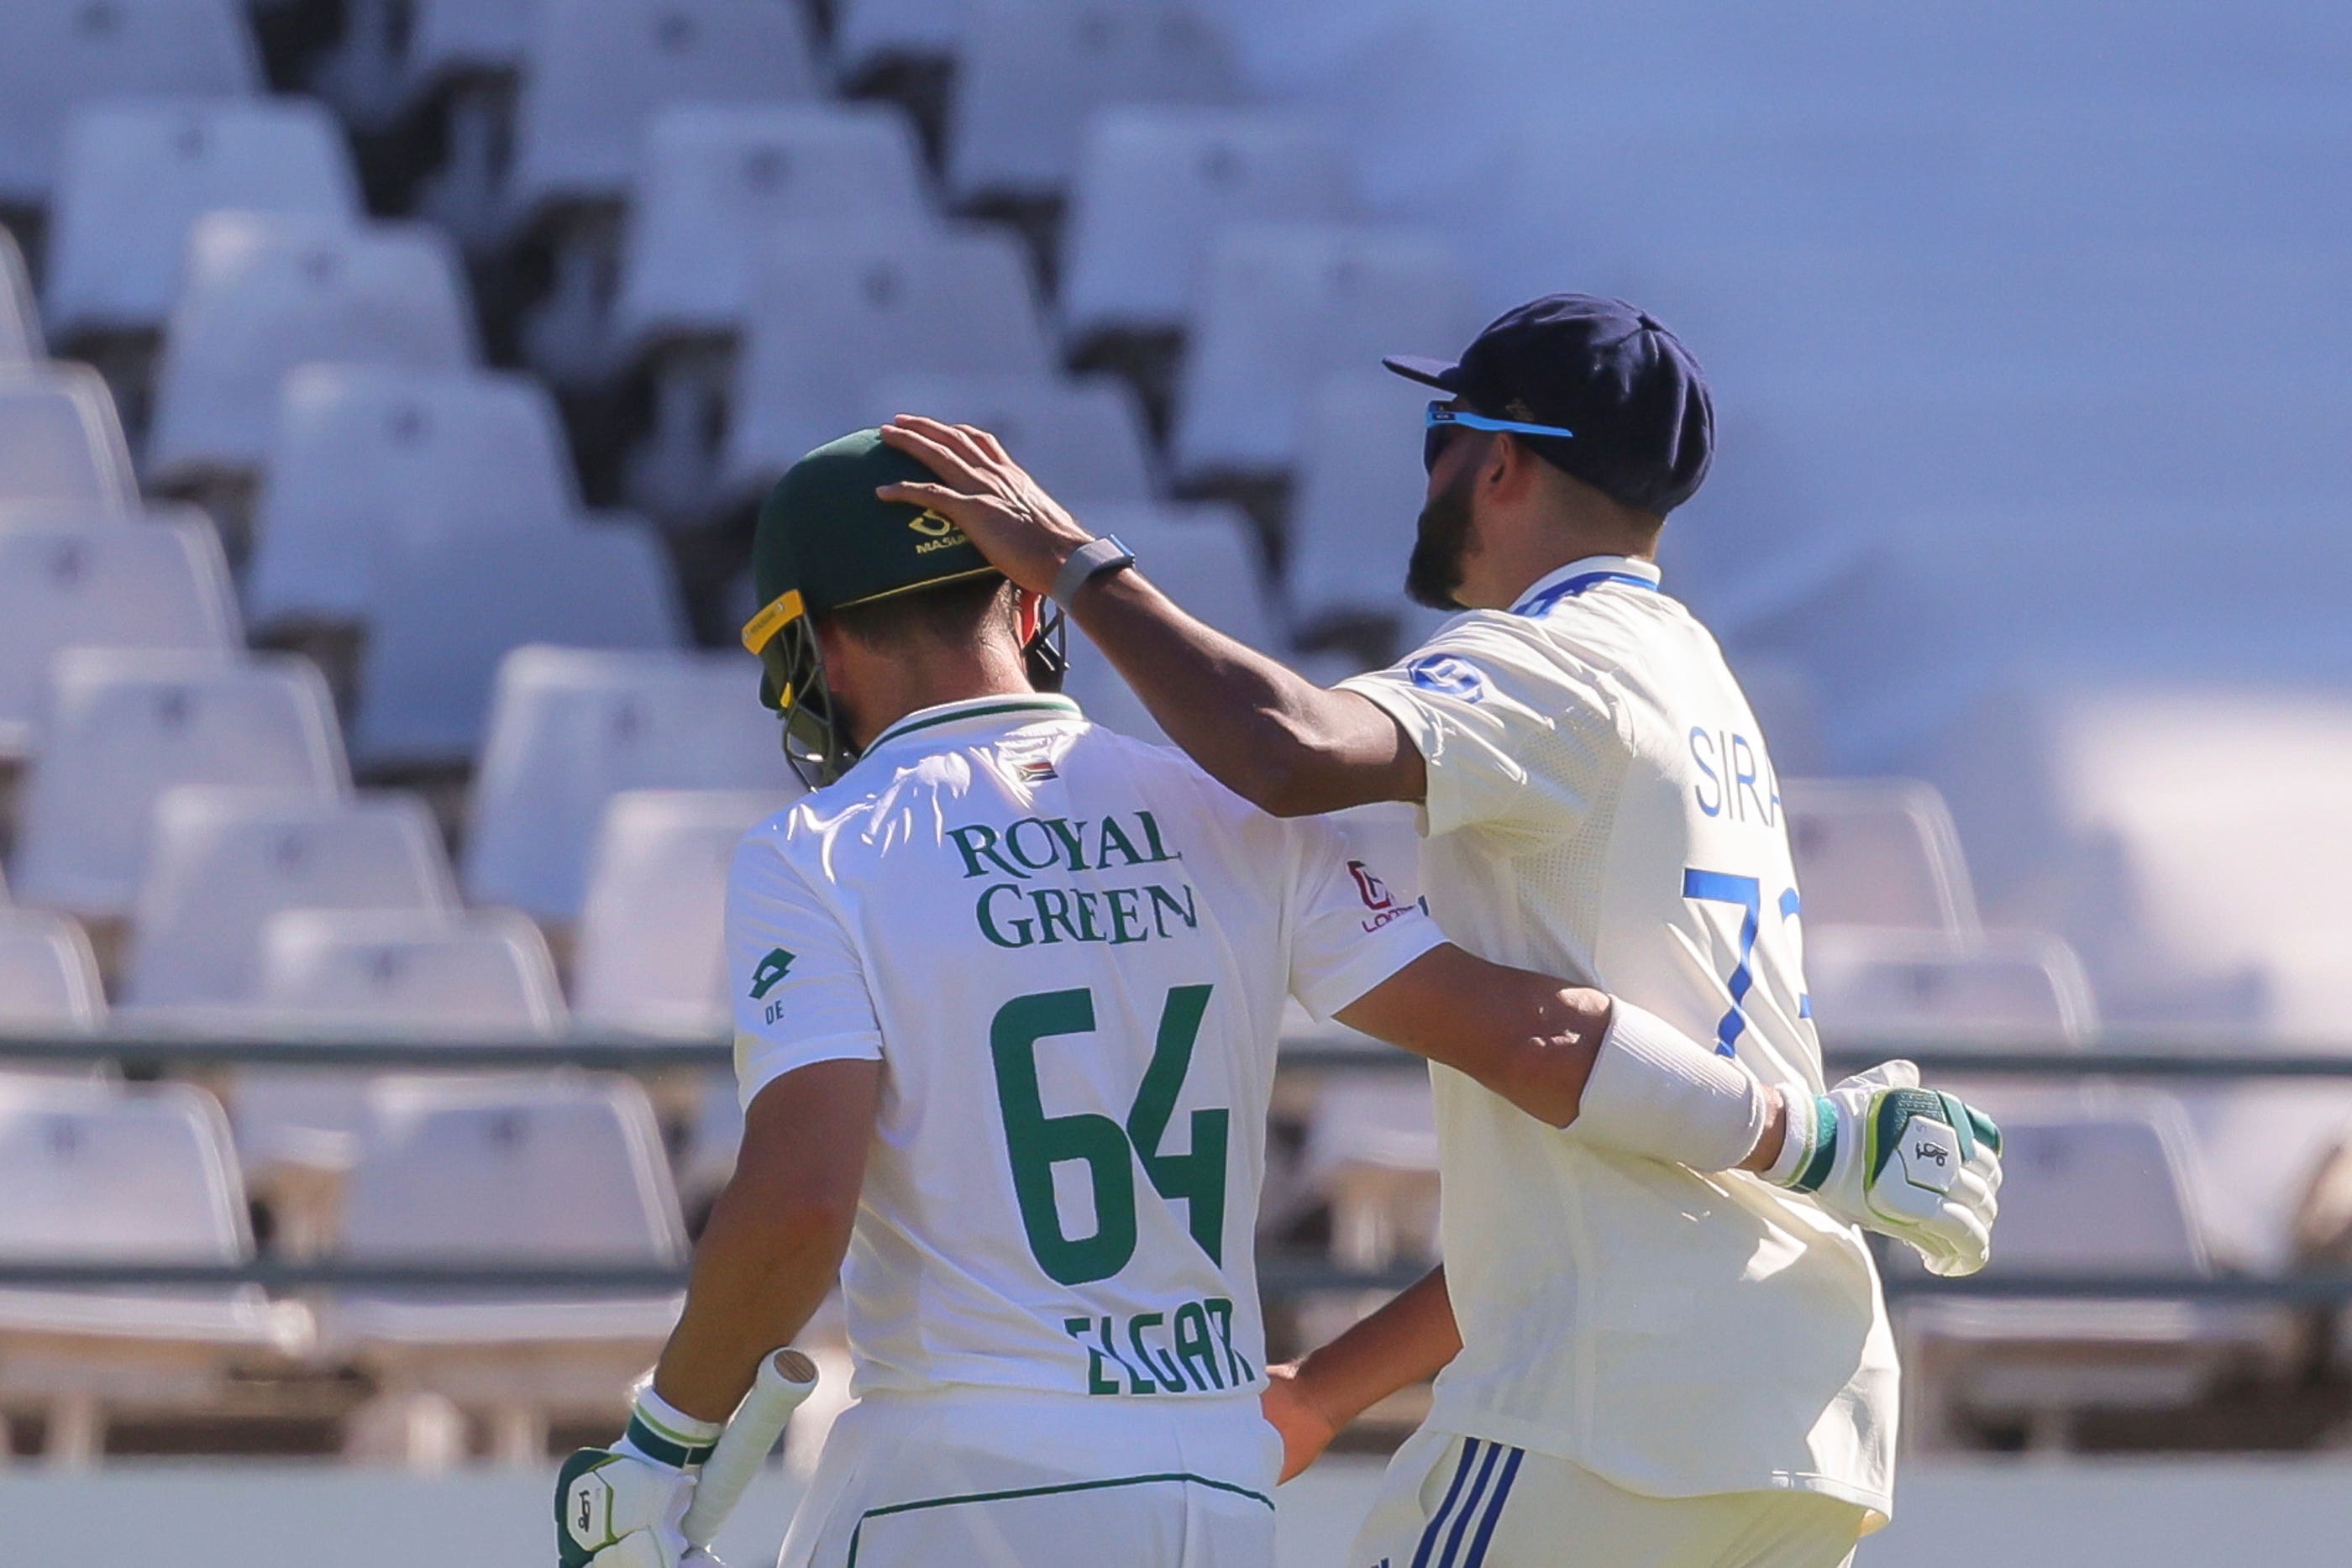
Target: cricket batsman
{"type": "Point", "coordinates": [1647, 1364]}
{"type": "Point", "coordinates": [1007, 990]}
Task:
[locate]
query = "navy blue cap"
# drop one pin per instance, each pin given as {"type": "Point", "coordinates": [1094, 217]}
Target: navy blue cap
{"type": "Point", "coordinates": [1606, 370]}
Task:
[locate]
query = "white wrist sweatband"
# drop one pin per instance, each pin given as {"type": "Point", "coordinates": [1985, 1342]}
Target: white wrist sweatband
{"type": "Point", "coordinates": [666, 1435]}
{"type": "Point", "coordinates": [1656, 1092]}
{"type": "Point", "coordinates": [1800, 1136]}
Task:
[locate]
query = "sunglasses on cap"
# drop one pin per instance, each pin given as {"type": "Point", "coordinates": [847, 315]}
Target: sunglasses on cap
{"type": "Point", "coordinates": [1443, 419]}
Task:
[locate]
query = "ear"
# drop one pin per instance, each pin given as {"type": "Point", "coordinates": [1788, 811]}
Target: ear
{"type": "Point", "coordinates": [1510, 467]}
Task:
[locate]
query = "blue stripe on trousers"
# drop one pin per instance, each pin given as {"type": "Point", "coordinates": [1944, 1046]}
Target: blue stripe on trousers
{"type": "Point", "coordinates": [1478, 1542]}
{"type": "Point", "coordinates": [1470, 1506]}
{"type": "Point", "coordinates": [1436, 1524]}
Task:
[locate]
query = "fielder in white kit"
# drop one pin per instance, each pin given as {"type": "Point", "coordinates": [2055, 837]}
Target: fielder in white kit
{"type": "Point", "coordinates": [1007, 993]}
{"type": "Point", "coordinates": [1645, 1364]}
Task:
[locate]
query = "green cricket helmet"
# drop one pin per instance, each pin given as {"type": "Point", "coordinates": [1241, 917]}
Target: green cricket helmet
{"type": "Point", "coordinates": [826, 542]}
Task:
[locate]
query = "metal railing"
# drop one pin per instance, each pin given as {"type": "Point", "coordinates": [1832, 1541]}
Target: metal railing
{"type": "Point", "coordinates": [2172, 1059]}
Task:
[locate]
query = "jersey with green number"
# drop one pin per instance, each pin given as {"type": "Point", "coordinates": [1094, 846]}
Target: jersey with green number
{"type": "Point", "coordinates": [1070, 952]}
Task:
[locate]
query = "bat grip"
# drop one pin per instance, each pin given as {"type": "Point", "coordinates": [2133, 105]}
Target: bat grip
{"type": "Point", "coordinates": [786, 1377]}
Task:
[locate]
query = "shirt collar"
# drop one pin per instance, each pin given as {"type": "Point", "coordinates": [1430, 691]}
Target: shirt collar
{"type": "Point", "coordinates": [1567, 581]}
{"type": "Point", "coordinates": [1006, 712]}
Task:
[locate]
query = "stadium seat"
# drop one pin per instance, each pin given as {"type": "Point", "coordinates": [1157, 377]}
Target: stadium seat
{"type": "Point", "coordinates": [55, 55]}
{"type": "Point", "coordinates": [1876, 851]}
{"type": "Point", "coordinates": [569, 729]}
{"type": "Point", "coordinates": [20, 318]}
{"type": "Point", "coordinates": [60, 439]}
{"type": "Point", "coordinates": [1156, 184]}
{"type": "Point", "coordinates": [97, 1172]}
{"type": "Point", "coordinates": [136, 177]}
{"type": "Point", "coordinates": [1358, 497]}
{"type": "Point", "coordinates": [715, 179]}
{"type": "Point", "coordinates": [1283, 306]}
{"type": "Point", "coordinates": [2109, 1188]}
{"type": "Point", "coordinates": [48, 978]}
{"type": "Point", "coordinates": [514, 1170]}
{"type": "Point", "coordinates": [162, 584]}
{"type": "Point", "coordinates": [1205, 557]}
{"type": "Point", "coordinates": [446, 611]}
{"type": "Point", "coordinates": [871, 33]}
{"type": "Point", "coordinates": [121, 726]}
{"type": "Point", "coordinates": [364, 453]}
{"type": "Point", "coordinates": [651, 956]}
{"type": "Point", "coordinates": [418, 971]}
{"type": "Point", "coordinates": [224, 860]}
{"type": "Point", "coordinates": [597, 71]}
{"type": "Point", "coordinates": [1083, 440]}
{"type": "Point", "coordinates": [2000, 988]}
{"type": "Point", "coordinates": [395, 55]}
{"type": "Point", "coordinates": [264, 295]}
{"type": "Point", "coordinates": [832, 313]}
{"type": "Point", "coordinates": [1031, 71]}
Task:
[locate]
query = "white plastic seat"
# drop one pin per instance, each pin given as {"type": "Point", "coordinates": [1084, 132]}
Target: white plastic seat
{"type": "Point", "coordinates": [1154, 186]}
{"type": "Point", "coordinates": [1084, 440]}
{"type": "Point", "coordinates": [714, 179]}
{"type": "Point", "coordinates": [552, 1170]}
{"type": "Point", "coordinates": [598, 69]}
{"type": "Point", "coordinates": [395, 55]}
{"type": "Point", "coordinates": [155, 585]}
{"type": "Point", "coordinates": [365, 452]}
{"type": "Point", "coordinates": [445, 613]}
{"type": "Point", "coordinates": [1203, 556]}
{"type": "Point", "coordinates": [264, 295]}
{"type": "Point", "coordinates": [57, 53]}
{"type": "Point", "coordinates": [61, 440]}
{"type": "Point", "coordinates": [871, 33]}
{"type": "Point", "coordinates": [651, 956]}
{"type": "Point", "coordinates": [137, 175]}
{"type": "Point", "coordinates": [2110, 1188]}
{"type": "Point", "coordinates": [1358, 497]}
{"type": "Point", "coordinates": [225, 860]}
{"type": "Point", "coordinates": [1031, 71]}
{"type": "Point", "coordinates": [834, 313]}
{"type": "Point", "coordinates": [1877, 851]}
{"type": "Point", "coordinates": [20, 317]}
{"type": "Point", "coordinates": [99, 1173]}
{"type": "Point", "coordinates": [1284, 305]}
{"type": "Point", "coordinates": [48, 977]}
{"type": "Point", "coordinates": [571, 728]}
{"type": "Point", "coordinates": [479, 972]}
{"type": "Point", "coordinates": [121, 726]}
{"type": "Point", "coordinates": [2003, 987]}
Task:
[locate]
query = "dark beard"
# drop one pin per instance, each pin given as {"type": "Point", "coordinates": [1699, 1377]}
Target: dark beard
{"type": "Point", "coordinates": [1434, 575]}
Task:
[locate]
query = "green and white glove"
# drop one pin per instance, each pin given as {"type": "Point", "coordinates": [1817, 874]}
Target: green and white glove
{"type": "Point", "coordinates": [1915, 1164]}
{"type": "Point", "coordinates": [624, 1506]}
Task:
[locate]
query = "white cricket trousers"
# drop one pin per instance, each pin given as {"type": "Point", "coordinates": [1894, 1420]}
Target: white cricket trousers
{"type": "Point", "coordinates": [978, 1479]}
{"type": "Point", "coordinates": [1449, 1501]}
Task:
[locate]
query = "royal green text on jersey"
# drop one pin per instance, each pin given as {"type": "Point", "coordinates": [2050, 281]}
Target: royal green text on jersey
{"type": "Point", "coordinates": [1013, 910]}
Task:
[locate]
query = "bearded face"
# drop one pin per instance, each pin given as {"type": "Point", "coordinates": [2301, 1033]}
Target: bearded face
{"type": "Point", "coordinates": [1434, 576]}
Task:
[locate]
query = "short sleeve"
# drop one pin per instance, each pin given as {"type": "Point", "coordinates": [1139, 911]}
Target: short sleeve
{"type": "Point", "coordinates": [1513, 732]}
{"type": "Point", "coordinates": [1349, 931]}
{"type": "Point", "coordinates": [799, 992]}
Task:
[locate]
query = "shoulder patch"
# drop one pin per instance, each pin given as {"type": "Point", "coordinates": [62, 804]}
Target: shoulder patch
{"type": "Point", "coordinates": [1444, 672]}
{"type": "Point", "coordinates": [773, 968]}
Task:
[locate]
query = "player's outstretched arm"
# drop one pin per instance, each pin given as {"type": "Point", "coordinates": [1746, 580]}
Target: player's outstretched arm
{"type": "Point", "coordinates": [765, 1262]}
{"type": "Point", "coordinates": [1266, 733]}
{"type": "Point", "coordinates": [1575, 1057]}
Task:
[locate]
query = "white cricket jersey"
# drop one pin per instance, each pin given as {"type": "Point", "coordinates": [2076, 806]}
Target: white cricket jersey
{"type": "Point", "coordinates": [1069, 950]}
{"type": "Point", "coordinates": [1600, 805]}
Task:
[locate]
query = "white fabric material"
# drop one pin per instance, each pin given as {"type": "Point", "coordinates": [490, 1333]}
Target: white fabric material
{"type": "Point", "coordinates": [1601, 808]}
{"type": "Point", "coordinates": [1013, 910]}
{"type": "Point", "coordinates": [1082, 1461]}
{"type": "Point", "coordinates": [1493, 1506]}
{"type": "Point", "coordinates": [1655, 1092]}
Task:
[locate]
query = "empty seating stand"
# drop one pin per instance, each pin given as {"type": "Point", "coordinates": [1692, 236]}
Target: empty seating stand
{"type": "Point", "coordinates": [61, 440]}
{"type": "Point", "coordinates": [1877, 851]}
{"type": "Point", "coordinates": [96, 1172]}
{"type": "Point", "coordinates": [121, 726]}
{"type": "Point", "coordinates": [572, 728]}
{"type": "Point", "coordinates": [1083, 440]}
{"type": "Point", "coordinates": [48, 978]}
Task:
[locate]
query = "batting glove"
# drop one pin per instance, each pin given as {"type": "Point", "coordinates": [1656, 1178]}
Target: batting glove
{"type": "Point", "coordinates": [1915, 1164]}
{"type": "Point", "coordinates": [624, 1506]}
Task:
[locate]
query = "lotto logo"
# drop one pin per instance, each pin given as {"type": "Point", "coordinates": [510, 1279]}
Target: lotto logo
{"type": "Point", "coordinates": [1930, 1155]}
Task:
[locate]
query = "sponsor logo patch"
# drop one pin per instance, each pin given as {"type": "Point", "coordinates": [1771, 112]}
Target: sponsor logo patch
{"type": "Point", "coordinates": [1444, 672]}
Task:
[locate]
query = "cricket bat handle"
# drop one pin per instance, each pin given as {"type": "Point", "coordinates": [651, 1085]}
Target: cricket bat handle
{"type": "Point", "coordinates": [786, 1378]}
